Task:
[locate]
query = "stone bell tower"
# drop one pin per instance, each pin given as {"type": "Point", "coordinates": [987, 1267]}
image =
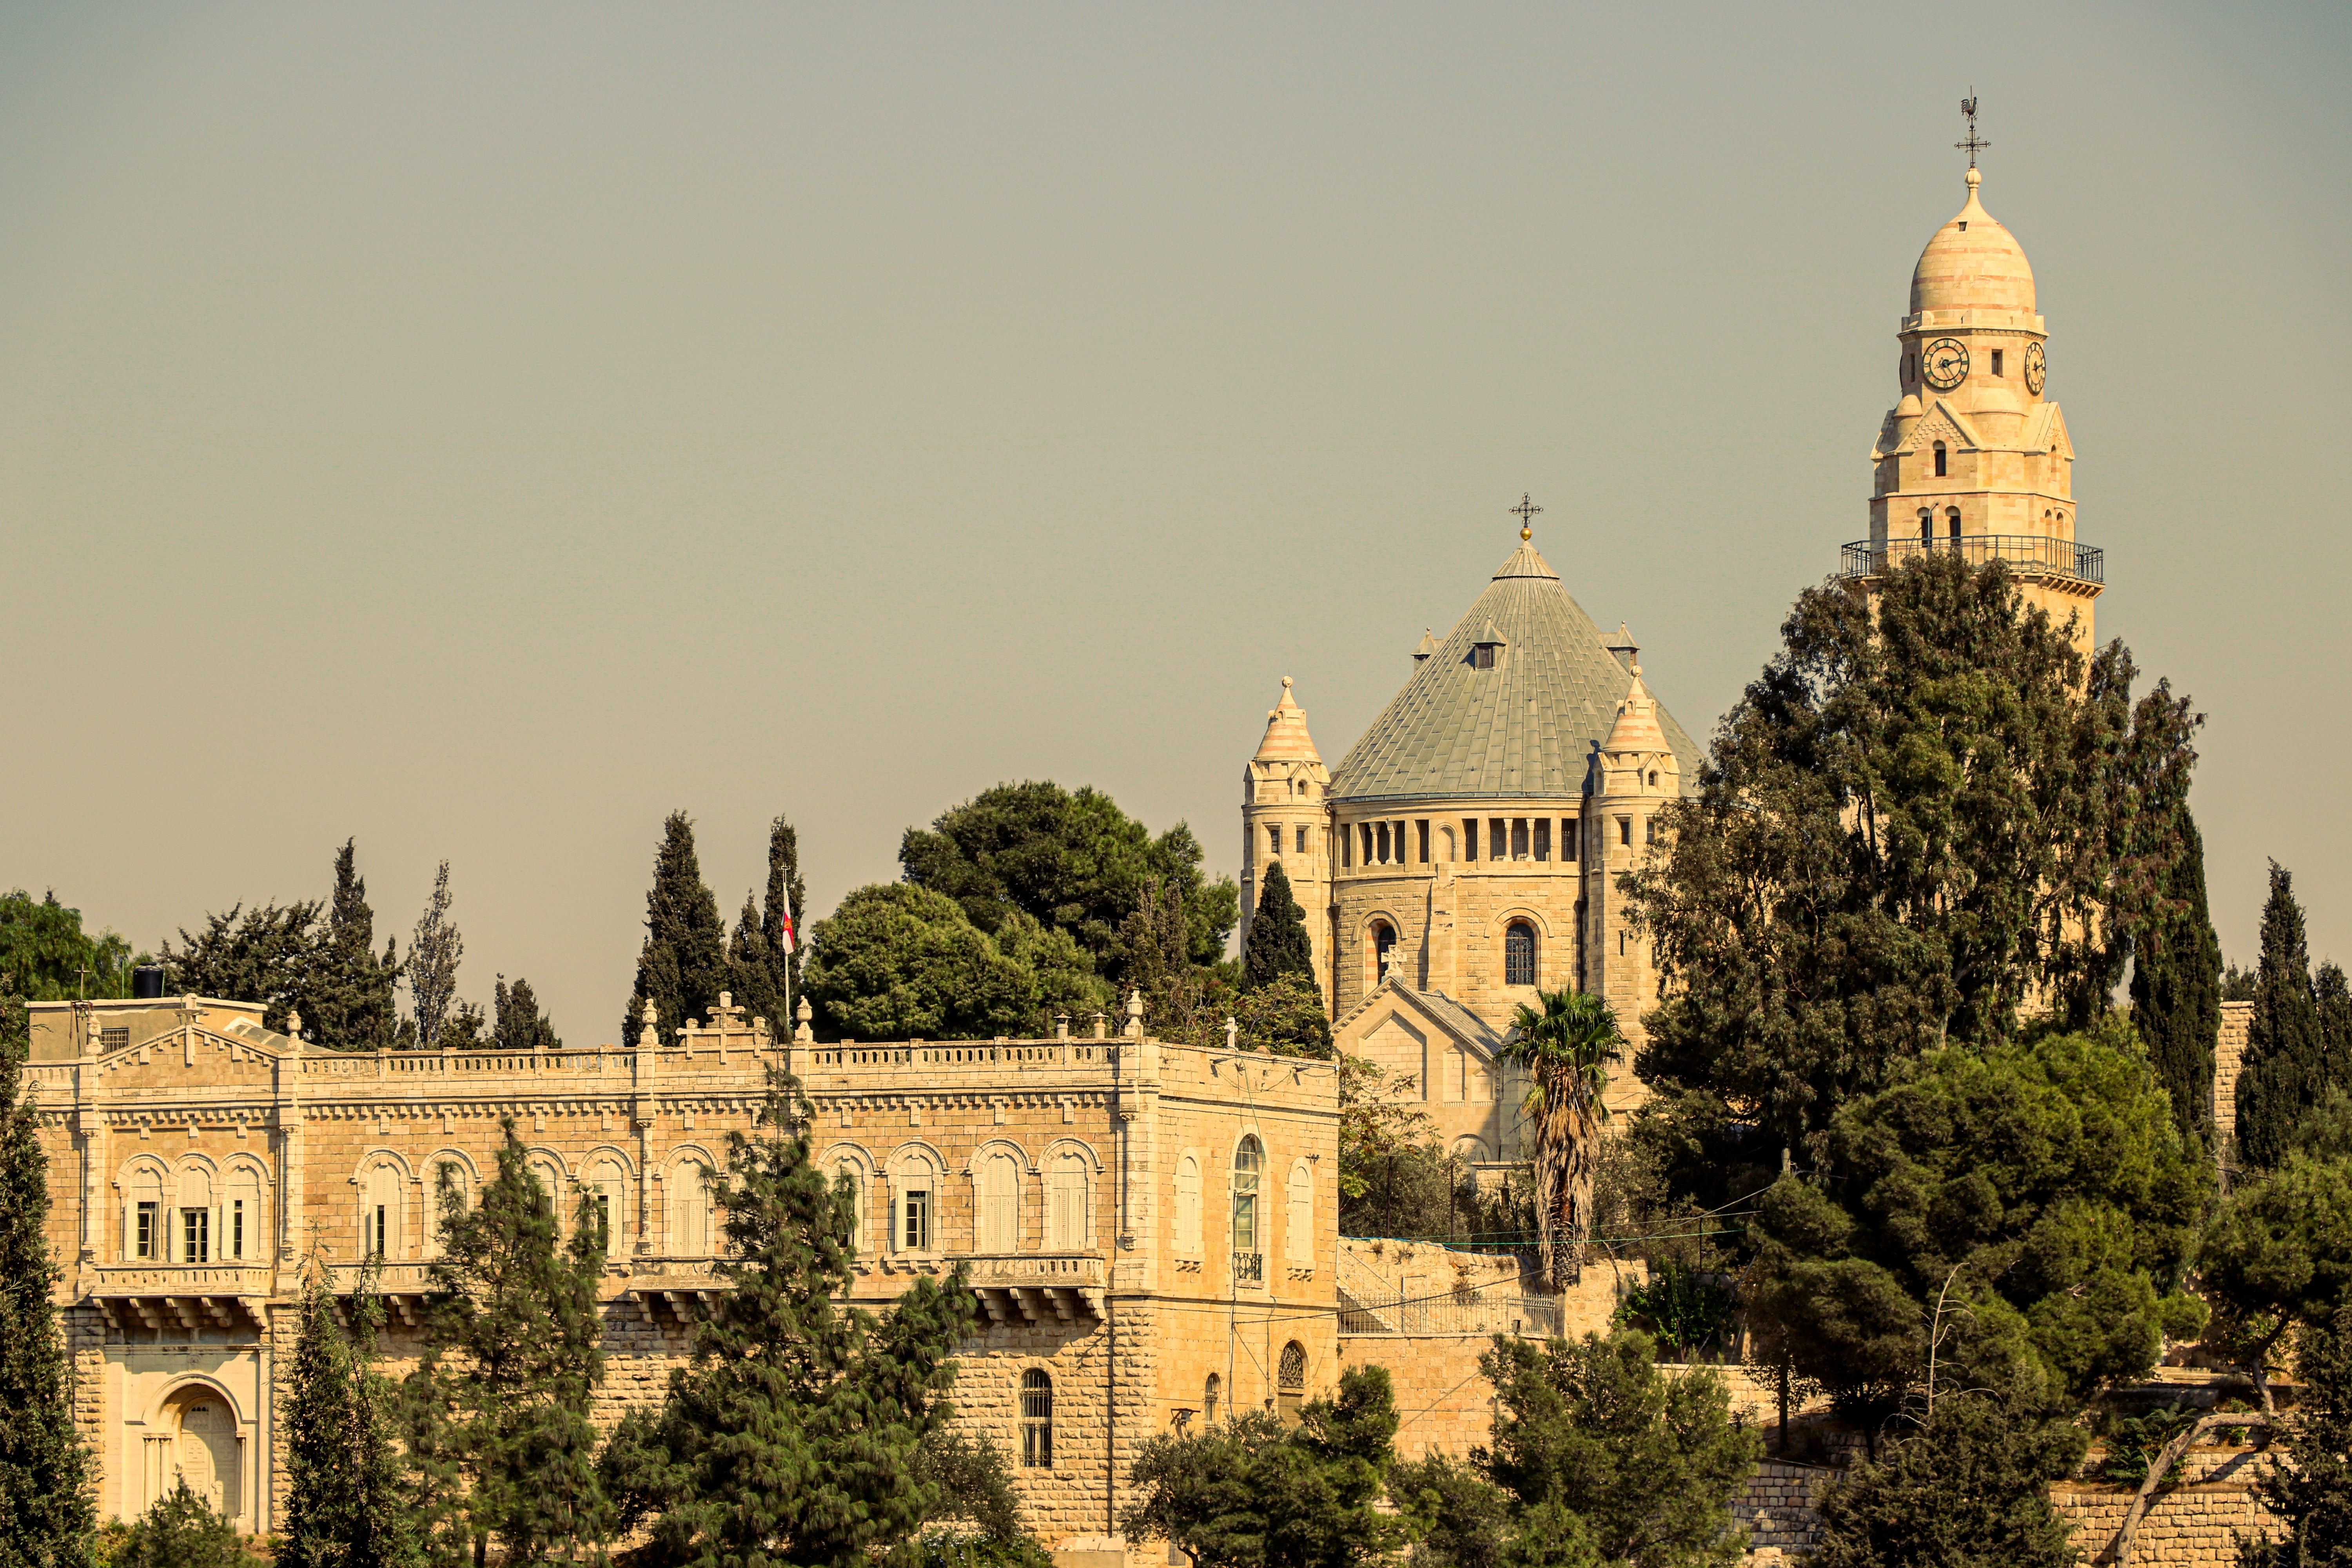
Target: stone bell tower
{"type": "Point", "coordinates": [1285, 818]}
{"type": "Point", "coordinates": [1973, 458]}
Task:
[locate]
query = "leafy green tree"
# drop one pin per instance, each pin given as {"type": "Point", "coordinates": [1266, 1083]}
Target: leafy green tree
{"type": "Point", "coordinates": [2310, 1486]}
{"type": "Point", "coordinates": [519, 1025]}
{"type": "Point", "coordinates": [683, 964]}
{"type": "Point", "coordinates": [347, 998]}
{"type": "Point", "coordinates": [1254, 1493]}
{"type": "Point", "coordinates": [513, 1353]}
{"type": "Point", "coordinates": [183, 1531]}
{"type": "Point", "coordinates": [795, 1433]}
{"type": "Point", "coordinates": [2041, 1185]}
{"type": "Point", "coordinates": [267, 955]}
{"type": "Point", "coordinates": [2287, 1069]}
{"type": "Point", "coordinates": [1075, 861]}
{"type": "Point", "coordinates": [2176, 989]}
{"type": "Point", "coordinates": [1565, 1046]}
{"type": "Point", "coordinates": [2278, 1254]}
{"type": "Point", "coordinates": [1184, 999]}
{"type": "Point", "coordinates": [971, 1479]}
{"type": "Point", "coordinates": [344, 1507]}
{"type": "Point", "coordinates": [1926, 811]}
{"type": "Point", "coordinates": [896, 962]}
{"type": "Point", "coordinates": [1285, 1015]}
{"type": "Point", "coordinates": [433, 956]}
{"type": "Point", "coordinates": [1457, 1516]}
{"type": "Point", "coordinates": [1277, 943]}
{"type": "Point", "coordinates": [1647, 1462]}
{"type": "Point", "coordinates": [46, 1505]}
{"type": "Point", "coordinates": [46, 956]}
{"type": "Point", "coordinates": [1970, 1489]}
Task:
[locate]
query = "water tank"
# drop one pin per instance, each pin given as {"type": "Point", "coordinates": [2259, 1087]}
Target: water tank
{"type": "Point", "coordinates": [147, 982]}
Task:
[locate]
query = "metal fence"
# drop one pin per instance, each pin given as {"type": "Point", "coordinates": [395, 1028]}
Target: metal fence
{"type": "Point", "coordinates": [1451, 1313]}
{"type": "Point", "coordinates": [1863, 559]}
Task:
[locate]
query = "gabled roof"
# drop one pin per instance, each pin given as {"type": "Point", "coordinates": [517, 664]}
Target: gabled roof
{"type": "Point", "coordinates": [1525, 727]}
{"type": "Point", "coordinates": [1438, 1010]}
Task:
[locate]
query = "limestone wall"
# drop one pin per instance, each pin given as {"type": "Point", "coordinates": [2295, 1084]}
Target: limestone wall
{"type": "Point", "coordinates": [2229, 1059]}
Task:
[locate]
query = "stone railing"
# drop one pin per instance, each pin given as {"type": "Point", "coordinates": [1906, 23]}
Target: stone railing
{"type": "Point", "coordinates": [1083, 1270]}
{"type": "Point", "coordinates": [992, 1056]}
{"type": "Point", "coordinates": [128, 1279]}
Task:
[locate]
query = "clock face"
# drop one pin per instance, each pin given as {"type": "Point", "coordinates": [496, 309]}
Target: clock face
{"type": "Point", "coordinates": [2037, 369]}
{"type": "Point", "coordinates": [1946, 363]}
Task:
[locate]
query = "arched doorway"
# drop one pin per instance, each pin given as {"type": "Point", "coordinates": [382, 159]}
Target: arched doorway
{"type": "Point", "coordinates": [205, 1450]}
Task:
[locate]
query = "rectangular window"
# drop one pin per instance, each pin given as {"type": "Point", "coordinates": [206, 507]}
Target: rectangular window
{"type": "Point", "coordinates": [1421, 830]}
{"type": "Point", "coordinates": [1543, 838]}
{"type": "Point", "coordinates": [1498, 843]}
{"type": "Point", "coordinates": [379, 1230]}
{"type": "Point", "coordinates": [1624, 830]}
{"type": "Point", "coordinates": [1346, 847]}
{"type": "Point", "coordinates": [1300, 847]}
{"type": "Point", "coordinates": [1381, 843]}
{"type": "Point", "coordinates": [915, 1228]}
{"type": "Point", "coordinates": [1366, 830]}
{"type": "Point", "coordinates": [1568, 837]}
{"type": "Point", "coordinates": [195, 1236]}
{"type": "Point", "coordinates": [1519, 839]}
{"type": "Point", "coordinates": [603, 1203]}
{"type": "Point", "coordinates": [1273, 840]}
{"type": "Point", "coordinates": [1469, 838]}
{"type": "Point", "coordinates": [144, 1240]}
{"type": "Point", "coordinates": [237, 1227]}
{"type": "Point", "coordinates": [1482, 657]}
{"type": "Point", "coordinates": [113, 1039]}
{"type": "Point", "coordinates": [1996, 361]}
{"type": "Point", "coordinates": [1648, 830]}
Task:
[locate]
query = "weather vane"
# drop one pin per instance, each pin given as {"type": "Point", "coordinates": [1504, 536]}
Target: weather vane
{"type": "Point", "coordinates": [1525, 512]}
{"type": "Point", "coordinates": [1972, 145]}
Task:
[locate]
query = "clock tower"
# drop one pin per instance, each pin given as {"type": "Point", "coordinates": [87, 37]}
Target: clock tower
{"type": "Point", "coordinates": [1973, 457]}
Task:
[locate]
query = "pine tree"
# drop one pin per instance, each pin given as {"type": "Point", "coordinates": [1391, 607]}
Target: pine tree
{"type": "Point", "coordinates": [1278, 941]}
{"type": "Point", "coordinates": [343, 1507]}
{"type": "Point", "coordinates": [792, 1434]}
{"type": "Point", "coordinates": [519, 1024]}
{"type": "Point", "coordinates": [46, 1509]}
{"type": "Point", "coordinates": [347, 1003]}
{"type": "Point", "coordinates": [2310, 1486]}
{"type": "Point", "coordinates": [2286, 1069]}
{"type": "Point", "coordinates": [2176, 990]}
{"type": "Point", "coordinates": [787, 893]}
{"type": "Point", "coordinates": [433, 957]}
{"type": "Point", "coordinates": [513, 1356]}
{"type": "Point", "coordinates": [683, 964]}
{"type": "Point", "coordinates": [756, 976]}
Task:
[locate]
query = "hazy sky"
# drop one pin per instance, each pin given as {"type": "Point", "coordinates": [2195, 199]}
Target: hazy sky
{"type": "Point", "coordinates": [481, 429]}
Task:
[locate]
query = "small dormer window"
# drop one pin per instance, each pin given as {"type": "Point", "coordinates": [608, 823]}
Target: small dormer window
{"type": "Point", "coordinates": [1482, 657]}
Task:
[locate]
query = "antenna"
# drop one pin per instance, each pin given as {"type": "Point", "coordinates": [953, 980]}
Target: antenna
{"type": "Point", "coordinates": [1972, 145]}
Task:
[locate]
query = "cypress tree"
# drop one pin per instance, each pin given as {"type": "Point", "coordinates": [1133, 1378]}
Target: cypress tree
{"type": "Point", "coordinates": [46, 1509]}
{"type": "Point", "coordinates": [518, 1024]}
{"type": "Point", "coordinates": [756, 976]}
{"type": "Point", "coordinates": [683, 964]}
{"type": "Point", "coordinates": [792, 1434]}
{"type": "Point", "coordinates": [2286, 1069]}
{"type": "Point", "coordinates": [344, 1508]}
{"type": "Point", "coordinates": [1278, 941]}
{"type": "Point", "coordinates": [2176, 990]}
{"type": "Point", "coordinates": [511, 1408]}
{"type": "Point", "coordinates": [348, 1002]}
{"type": "Point", "coordinates": [786, 892]}
{"type": "Point", "coordinates": [433, 955]}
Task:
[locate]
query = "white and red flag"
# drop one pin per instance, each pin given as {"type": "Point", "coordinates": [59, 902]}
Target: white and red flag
{"type": "Point", "coordinates": [790, 942]}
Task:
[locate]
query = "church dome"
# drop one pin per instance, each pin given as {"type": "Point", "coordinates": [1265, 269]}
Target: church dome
{"type": "Point", "coordinates": [1972, 264]}
{"type": "Point", "coordinates": [1520, 720]}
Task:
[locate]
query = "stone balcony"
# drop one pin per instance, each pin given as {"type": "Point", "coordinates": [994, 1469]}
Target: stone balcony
{"type": "Point", "coordinates": [1031, 1287]}
{"type": "Point", "coordinates": [2029, 554]}
{"type": "Point", "coordinates": [192, 1298]}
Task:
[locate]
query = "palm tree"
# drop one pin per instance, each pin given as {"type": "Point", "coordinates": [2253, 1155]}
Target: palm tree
{"type": "Point", "coordinates": [1563, 1046]}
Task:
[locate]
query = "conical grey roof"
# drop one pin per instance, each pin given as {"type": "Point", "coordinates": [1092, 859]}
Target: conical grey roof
{"type": "Point", "coordinates": [1525, 727]}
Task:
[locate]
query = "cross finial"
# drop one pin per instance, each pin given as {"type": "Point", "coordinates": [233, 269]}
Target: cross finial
{"type": "Point", "coordinates": [1971, 145]}
{"type": "Point", "coordinates": [1525, 512]}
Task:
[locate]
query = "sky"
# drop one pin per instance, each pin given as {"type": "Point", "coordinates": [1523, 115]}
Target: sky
{"type": "Point", "coordinates": [481, 430]}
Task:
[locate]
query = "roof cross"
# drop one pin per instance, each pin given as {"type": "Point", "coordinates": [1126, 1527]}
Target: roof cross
{"type": "Point", "coordinates": [1971, 145]}
{"type": "Point", "coordinates": [1525, 512]}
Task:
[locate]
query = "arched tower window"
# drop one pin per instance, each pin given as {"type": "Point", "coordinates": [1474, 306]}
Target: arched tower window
{"type": "Point", "coordinates": [1927, 528]}
{"type": "Point", "coordinates": [1952, 521]}
{"type": "Point", "coordinates": [1942, 458]}
{"type": "Point", "coordinates": [1384, 943]}
{"type": "Point", "coordinates": [1036, 1419]}
{"type": "Point", "coordinates": [1519, 955]}
{"type": "Point", "coordinates": [1291, 1385]}
{"type": "Point", "coordinates": [1212, 1399]}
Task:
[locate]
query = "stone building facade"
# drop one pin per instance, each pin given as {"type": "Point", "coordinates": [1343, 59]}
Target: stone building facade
{"type": "Point", "coordinates": [1149, 1227]}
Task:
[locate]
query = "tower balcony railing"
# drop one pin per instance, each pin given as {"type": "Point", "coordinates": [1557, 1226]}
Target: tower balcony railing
{"type": "Point", "coordinates": [2029, 552]}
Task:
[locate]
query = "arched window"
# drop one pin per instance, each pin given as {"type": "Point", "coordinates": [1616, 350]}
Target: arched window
{"type": "Point", "coordinates": [1065, 1205]}
{"type": "Point", "coordinates": [551, 1195]}
{"type": "Point", "coordinates": [245, 1229]}
{"type": "Point", "coordinates": [1188, 1208]}
{"type": "Point", "coordinates": [914, 1219]}
{"type": "Point", "coordinates": [1384, 943]}
{"type": "Point", "coordinates": [1249, 1263]}
{"type": "Point", "coordinates": [608, 1202]}
{"type": "Point", "coordinates": [1299, 1216]}
{"type": "Point", "coordinates": [1036, 1419]}
{"type": "Point", "coordinates": [688, 1191]}
{"type": "Point", "coordinates": [1212, 1399]}
{"type": "Point", "coordinates": [1941, 458]}
{"type": "Point", "coordinates": [1000, 1204]}
{"type": "Point", "coordinates": [143, 1228]}
{"type": "Point", "coordinates": [192, 1232]}
{"type": "Point", "coordinates": [1927, 528]}
{"type": "Point", "coordinates": [380, 1211]}
{"type": "Point", "coordinates": [448, 1187]}
{"type": "Point", "coordinates": [1519, 955]}
{"type": "Point", "coordinates": [1290, 1386]}
{"type": "Point", "coordinates": [849, 1178]}
{"type": "Point", "coordinates": [1952, 521]}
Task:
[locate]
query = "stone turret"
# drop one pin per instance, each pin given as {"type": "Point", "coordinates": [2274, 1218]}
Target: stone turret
{"type": "Point", "coordinates": [1632, 773]}
{"type": "Point", "coordinates": [1285, 818]}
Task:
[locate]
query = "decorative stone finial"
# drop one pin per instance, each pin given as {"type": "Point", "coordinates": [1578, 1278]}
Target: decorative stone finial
{"type": "Point", "coordinates": [652, 1015]}
{"type": "Point", "coordinates": [803, 1012]}
{"type": "Point", "coordinates": [294, 1025]}
{"type": "Point", "coordinates": [1134, 1013]}
{"type": "Point", "coordinates": [725, 1000]}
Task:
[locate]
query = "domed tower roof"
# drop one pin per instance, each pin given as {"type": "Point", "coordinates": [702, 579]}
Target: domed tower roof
{"type": "Point", "coordinates": [1523, 724]}
{"type": "Point", "coordinates": [1637, 728]}
{"type": "Point", "coordinates": [1972, 264]}
{"type": "Point", "coordinates": [1286, 740]}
